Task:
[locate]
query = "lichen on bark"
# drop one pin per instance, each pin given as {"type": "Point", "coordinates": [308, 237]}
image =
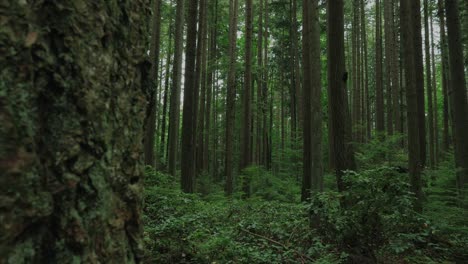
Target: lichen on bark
{"type": "Point", "coordinates": [72, 106]}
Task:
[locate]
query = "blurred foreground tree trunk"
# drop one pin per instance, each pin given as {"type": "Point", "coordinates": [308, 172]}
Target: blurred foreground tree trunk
{"type": "Point", "coordinates": [74, 86]}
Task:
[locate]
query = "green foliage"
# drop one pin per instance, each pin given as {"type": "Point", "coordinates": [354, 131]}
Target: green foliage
{"type": "Point", "coordinates": [374, 220]}
{"type": "Point", "coordinates": [382, 148]}
{"type": "Point", "coordinates": [377, 224]}
{"type": "Point", "coordinates": [265, 185]}
{"type": "Point", "coordinates": [184, 228]}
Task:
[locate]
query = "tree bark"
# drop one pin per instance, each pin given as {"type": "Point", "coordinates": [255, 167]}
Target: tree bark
{"type": "Point", "coordinates": [337, 77]}
{"type": "Point", "coordinates": [231, 95]}
{"type": "Point", "coordinates": [189, 120]}
{"type": "Point", "coordinates": [457, 95]}
{"type": "Point", "coordinates": [434, 86]}
{"type": "Point", "coordinates": [150, 122]}
{"type": "Point", "coordinates": [174, 107]}
{"type": "Point", "coordinates": [379, 107]}
{"type": "Point", "coordinates": [430, 109]}
{"type": "Point", "coordinates": [71, 157]}
{"type": "Point", "coordinates": [409, 55]}
{"type": "Point", "coordinates": [162, 145]}
{"type": "Point", "coordinates": [416, 9]}
{"type": "Point", "coordinates": [312, 180]}
{"type": "Point", "coordinates": [201, 75]}
{"type": "Point", "coordinates": [445, 75]}
{"type": "Point", "coordinates": [259, 117]}
{"type": "Point", "coordinates": [246, 127]}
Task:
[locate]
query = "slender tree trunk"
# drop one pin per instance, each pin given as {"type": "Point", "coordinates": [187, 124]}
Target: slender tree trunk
{"type": "Point", "coordinates": [445, 75]}
{"type": "Point", "coordinates": [266, 130]}
{"type": "Point", "coordinates": [190, 97]}
{"type": "Point", "coordinates": [430, 109]}
{"type": "Point", "coordinates": [246, 142]}
{"type": "Point", "coordinates": [71, 140]}
{"type": "Point", "coordinates": [416, 9]}
{"type": "Point", "coordinates": [259, 121]}
{"type": "Point", "coordinates": [202, 75]}
{"type": "Point", "coordinates": [395, 71]}
{"type": "Point", "coordinates": [337, 77]}
{"type": "Point", "coordinates": [366, 104]}
{"type": "Point", "coordinates": [231, 95]}
{"type": "Point", "coordinates": [312, 180]}
{"type": "Point", "coordinates": [457, 95]}
{"type": "Point", "coordinates": [162, 148]}
{"type": "Point", "coordinates": [209, 85]}
{"type": "Point", "coordinates": [379, 107]}
{"type": "Point", "coordinates": [388, 64]}
{"type": "Point", "coordinates": [435, 126]}
{"type": "Point", "coordinates": [357, 114]}
{"type": "Point", "coordinates": [150, 122]}
{"type": "Point", "coordinates": [409, 54]}
{"type": "Point", "coordinates": [175, 93]}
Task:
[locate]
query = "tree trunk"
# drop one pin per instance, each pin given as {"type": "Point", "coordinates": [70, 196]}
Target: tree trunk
{"type": "Point", "coordinates": [416, 9]}
{"type": "Point", "coordinates": [312, 180]}
{"type": "Point", "coordinates": [201, 75]}
{"type": "Point", "coordinates": [457, 95]}
{"type": "Point", "coordinates": [72, 154]}
{"type": "Point", "coordinates": [366, 101]}
{"type": "Point", "coordinates": [162, 145]}
{"type": "Point", "coordinates": [259, 130]}
{"type": "Point", "coordinates": [445, 75]}
{"type": "Point", "coordinates": [174, 111]}
{"type": "Point", "coordinates": [409, 55]}
{"type": "Point", "coordinates": [430, 109]}
{"type": "Point", "coordinates": [379, 107]}
{"type": "Point", "coordinates": [395, 71]}
{"type": "Point", "coordinates": [435, 102]}
{"type": "Point", "coordinates": [266, 130]}
{"type": "Point", "coordinates": [209, 86]}
{"type": "Point", "coordinates": [150, 122]}
{"type": "Point", "coordinates": [337, 77]}
{"type": "Point", "coordinates": [231, 95]}
{"type": "Point", "coordinates": [357, 114]}
{"type": "Point", "coordinates": [189, 120]}
{"type": "Point", "coordinates": [246, 140]}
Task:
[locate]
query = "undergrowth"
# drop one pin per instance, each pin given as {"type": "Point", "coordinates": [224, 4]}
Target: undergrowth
{"type": "Point", "coordinates": [377, 225]}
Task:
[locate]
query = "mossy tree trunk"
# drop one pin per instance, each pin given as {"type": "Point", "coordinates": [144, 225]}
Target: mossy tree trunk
{"type": "Point", "coordinates": [72, 106]}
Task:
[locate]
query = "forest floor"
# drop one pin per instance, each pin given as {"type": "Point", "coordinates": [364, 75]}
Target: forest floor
{"type": "Point", "coordinates": [274, 227]}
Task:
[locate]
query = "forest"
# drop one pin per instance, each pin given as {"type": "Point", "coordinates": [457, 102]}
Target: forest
{"type": "Point", "coordinates": [229, 131]}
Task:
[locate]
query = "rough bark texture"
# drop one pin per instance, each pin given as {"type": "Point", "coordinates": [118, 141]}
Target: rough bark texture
{"type": "Point", "coordinates": [209, 85]}
{"type": "Point", "coordinates": [414, 163]}
{"type": "Point", "coordinates": [434, 88]}
{"type": "Point", "coordinates": [445, 75]}
{"type": "Point", "coordinates": [337, 77]}
{"type": "Point", "coordinates": [189, 120]}
{"type": "Point", "coordinates": [72, 107]}
{"type": "Point", "coordinates": [430, 109]}
{"type": "Point", "coordinates": [231, 95]}
{"type": "Point", "coordinates": [457, 94]}
{"type": "Point", "coordinates": [366, 100]}
{"type": "Point", "coordinates": [162, 144]}
{"type": "Point", "coordinates": [396, 87]}
{"type": "Point", "coordinates": [266, 130]}
{"type": "Point", "coordinates": [201, 76]}
{"type": "Point", "coordinates": [259, 117]}
{"type": "Point", "coordinates": [357, 87]}
{"type": "Point", "coordinates": [312, 180]}
{"type": "Point", "coordinates": [150, 122]}
{"type": "Point", "coordinates": [246, 140]}
{"type": "Point", "coordinates": [419, 71]}
{"type": "Point", "coordinates": [379, 105]}
{"type": "Point", "coordinates": [175, 91]}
